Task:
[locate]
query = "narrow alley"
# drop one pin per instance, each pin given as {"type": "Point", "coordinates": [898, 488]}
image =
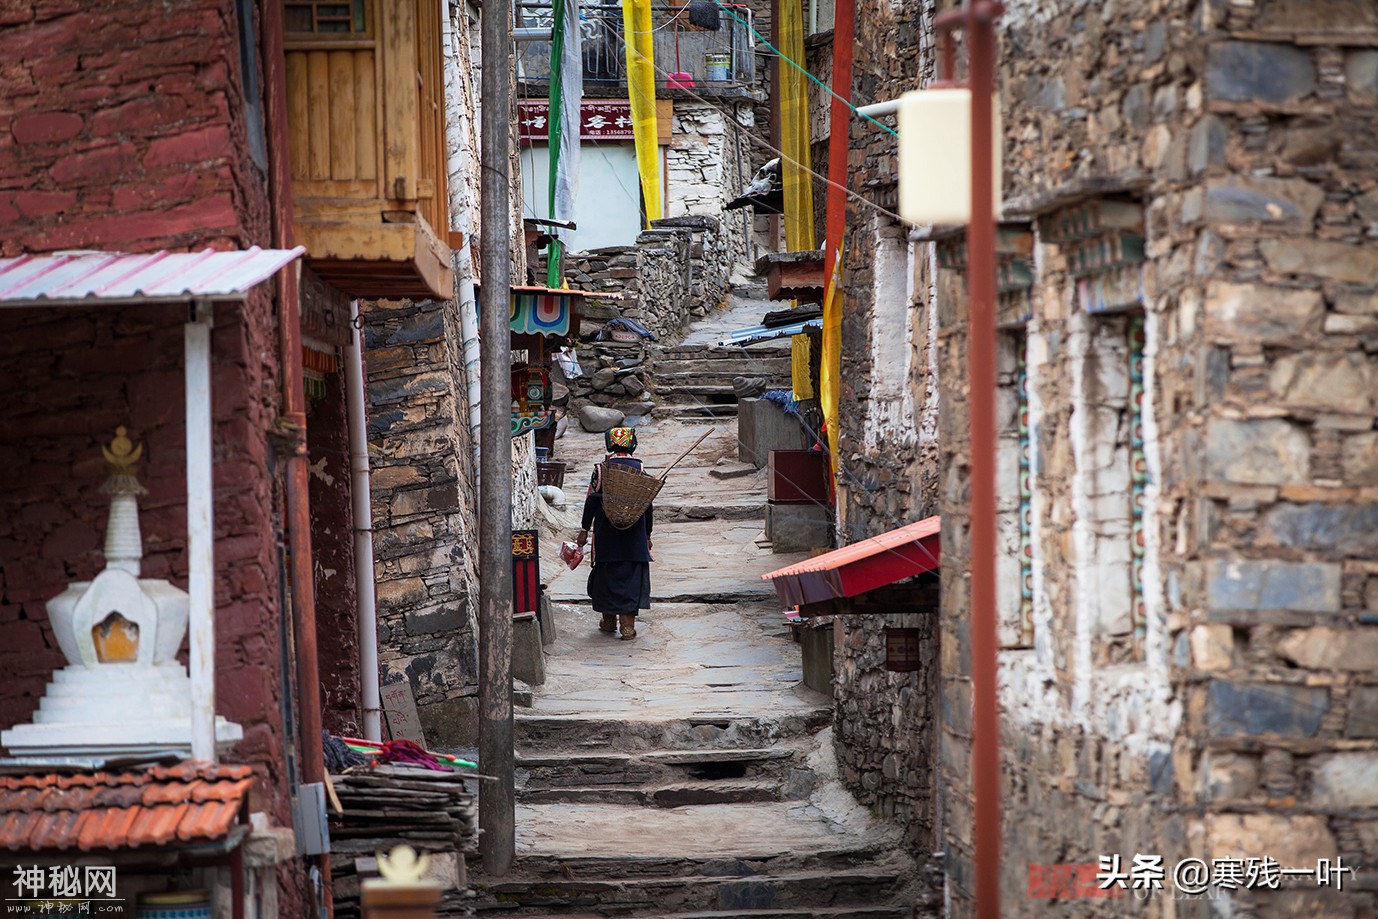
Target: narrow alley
{"type": "Point", "coordinates": [689, 772]}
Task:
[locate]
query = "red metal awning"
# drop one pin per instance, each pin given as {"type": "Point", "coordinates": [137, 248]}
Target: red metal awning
{"type": "Point", "coordinates": [862, 566]}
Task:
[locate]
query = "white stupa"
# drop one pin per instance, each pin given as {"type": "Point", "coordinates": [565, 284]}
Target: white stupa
{"type": "Point", "coordinates": [123, 690]}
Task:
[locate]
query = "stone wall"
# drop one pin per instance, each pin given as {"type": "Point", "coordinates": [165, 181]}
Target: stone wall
{"type": "Point", "coordinates": [423, 511]}
{"type": "Point", "coordinates": [126, 129]}
{"type": "Point", "coordinates": [707, 164]}
{"type": "Point", "coordinates": [884, 722]}
{"type": "Point", "coordinates": [677, 271]}
{"type": "Point", "coordinates": [1230, 714]}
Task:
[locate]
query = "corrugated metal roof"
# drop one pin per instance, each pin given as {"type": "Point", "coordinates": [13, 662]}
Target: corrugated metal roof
{"type": "Point", "coordinates": [162, 805]}
{"type": "Point", "coordinates": [862, 566]}
{"type": "Point", "coordinates": [758, 333]}
{"type": "Point", "coordinates": [78, 278]}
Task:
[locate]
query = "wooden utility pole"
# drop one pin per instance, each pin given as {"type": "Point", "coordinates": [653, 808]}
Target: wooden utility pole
{"type": "Point", "coordinates": [496, 800]}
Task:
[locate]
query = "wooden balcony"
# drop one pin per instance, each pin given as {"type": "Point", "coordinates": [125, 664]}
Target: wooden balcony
{"type": "Point", "coordinates": [365, 110]}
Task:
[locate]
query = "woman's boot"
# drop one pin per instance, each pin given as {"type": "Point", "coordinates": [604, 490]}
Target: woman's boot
{"type": "Point", "coordinates": [608, 623]}
{"type": "Point", "coordinates": [628, 626]}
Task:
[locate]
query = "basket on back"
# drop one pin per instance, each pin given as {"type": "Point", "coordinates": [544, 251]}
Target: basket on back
{"type": "Point", "coordinates": [627, 493]}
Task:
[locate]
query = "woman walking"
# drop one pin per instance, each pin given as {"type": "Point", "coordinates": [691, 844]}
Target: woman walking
{"type": "Point", "coordinates": [620, 582]}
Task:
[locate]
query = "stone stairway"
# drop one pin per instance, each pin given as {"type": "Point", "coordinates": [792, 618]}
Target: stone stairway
{"type": "Point", "coordinates": [696, 381]}
{"type": "Point", "coordinates": [693, 817]}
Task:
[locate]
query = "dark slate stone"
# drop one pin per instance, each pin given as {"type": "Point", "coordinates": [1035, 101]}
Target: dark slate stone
{"type": "Point", "coordinates": [1363, 713]}
{"type": "Point", "coordinates": [1207, 144]}
{"type": "Point", "coordinates": [1135, 105]}
{"type": "Point", "coordinates": [1273, 585]}
{"type": "Point", "coordinates": [1155, 36]}
{"type": "Point", "coordinates": [382, 422]}
{"type": "Point", "coordinates": [437, 619]}
{"type": "Point", "coordinates": [745, 894]}
{"type": "Point", "coordinates": [1229, 204]}
{"type": "Point", "coordinates": [1351, 529]}
{"type": "Point", "coordinates": [1242, 71]}
{"type": "Point", "coordinates": [1160, 775]}
{"type": "Point", "coordinates": [1293, 711]}
{"type": "Point", "coordinates": [428, 326]}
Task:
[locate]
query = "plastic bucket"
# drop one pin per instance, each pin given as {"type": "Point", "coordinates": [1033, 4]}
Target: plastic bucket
{"type": "Point", "coordinates": [717, 66]}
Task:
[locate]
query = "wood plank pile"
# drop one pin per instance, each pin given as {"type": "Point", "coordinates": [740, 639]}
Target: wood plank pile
{"type": "Point", "coordinates": [386, 806]}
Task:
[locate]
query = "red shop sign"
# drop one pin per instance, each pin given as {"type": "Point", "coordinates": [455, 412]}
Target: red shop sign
{"type": "Point", "coordinates": [599, 119]}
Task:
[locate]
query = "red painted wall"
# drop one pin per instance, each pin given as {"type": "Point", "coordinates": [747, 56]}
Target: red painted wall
{"type": "Point", "coordinates": [123, 127]}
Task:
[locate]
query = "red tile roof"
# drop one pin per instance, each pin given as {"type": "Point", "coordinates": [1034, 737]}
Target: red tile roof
{"type": "Point", "coordinates": [191, 802]}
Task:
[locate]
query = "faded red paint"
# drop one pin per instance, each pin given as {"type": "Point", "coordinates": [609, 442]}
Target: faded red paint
{"type": "Point", "coordinates": [125, 129]}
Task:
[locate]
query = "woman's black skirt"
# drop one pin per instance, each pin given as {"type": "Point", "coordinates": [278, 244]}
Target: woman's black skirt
{"type": "Point", "coordinates": [620, 588]}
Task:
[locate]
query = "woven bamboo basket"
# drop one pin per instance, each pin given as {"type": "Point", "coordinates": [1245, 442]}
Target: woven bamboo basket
{"type": "Point", "coordinates": [627, 493]}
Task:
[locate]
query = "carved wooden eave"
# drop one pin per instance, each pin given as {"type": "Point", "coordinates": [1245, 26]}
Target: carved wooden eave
{"type": "Point", "coordinates": [793, 275]}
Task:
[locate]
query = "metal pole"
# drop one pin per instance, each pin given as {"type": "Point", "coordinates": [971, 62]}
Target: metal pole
{"type": "Point", "coordinates": [312, 756]}
{"type": "Point", "coordinates": [497, 808]}
{"type": "Point", "coordinates": [981, 368]}
{"type": "Point", "coordinates": [200, 533]}
{"type": "Point", "coordinates": [356, 402]}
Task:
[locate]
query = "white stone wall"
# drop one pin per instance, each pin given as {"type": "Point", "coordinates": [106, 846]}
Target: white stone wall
{"type": "Point", "coordinates": [706, 166]}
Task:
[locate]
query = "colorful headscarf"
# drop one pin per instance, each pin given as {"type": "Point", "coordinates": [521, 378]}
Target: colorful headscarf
{"type": "Point", "coordinates": [620, 440]}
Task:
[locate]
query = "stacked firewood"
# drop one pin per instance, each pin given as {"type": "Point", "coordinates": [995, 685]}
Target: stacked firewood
{"type": "Point", "coordinates": [387, 806]}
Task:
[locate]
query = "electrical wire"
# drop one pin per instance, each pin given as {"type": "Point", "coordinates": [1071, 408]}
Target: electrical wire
{"type": "Point", "coordinates": [825, 87]}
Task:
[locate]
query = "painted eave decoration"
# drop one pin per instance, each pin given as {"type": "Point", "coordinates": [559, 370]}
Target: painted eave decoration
{"type": "Point", "coordinates": [547, 310]}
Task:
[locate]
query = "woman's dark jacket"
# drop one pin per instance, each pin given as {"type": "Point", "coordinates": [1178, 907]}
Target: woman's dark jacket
{"type": "Point", "coordinates": [610, 543]}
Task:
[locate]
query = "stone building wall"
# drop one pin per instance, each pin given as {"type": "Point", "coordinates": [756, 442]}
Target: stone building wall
{"type": "Point", "coordinates": [707, 164]}
{"type": "Point", "coordinates": [677, 271]}
{"type": "Point", "coordinates": [423, 511]}
{"type": "Point", "coordinates": [126, 129]}
{"type": "Point", "coordinates": [1230, 713]}
{"type": "Point", "coordinates": [884, 722]}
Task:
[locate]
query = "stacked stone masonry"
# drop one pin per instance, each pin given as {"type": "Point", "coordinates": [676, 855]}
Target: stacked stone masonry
{"type": "Point", "coordinates": [423, 510]}
{"type": "Point", "coordinates": [677, 271]}
{"type": "Point", "coordinates": [1238, 721]}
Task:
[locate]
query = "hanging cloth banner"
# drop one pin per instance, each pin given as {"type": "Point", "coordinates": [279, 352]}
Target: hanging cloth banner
{"type": "Point", "coordinates": [641, 88]}
{"type": "Point", "coordinates": [830, 371]}
{"type": "Point", "coordinates": [796, 179]}
{"type": "Point", "coordinates": [566, 98]}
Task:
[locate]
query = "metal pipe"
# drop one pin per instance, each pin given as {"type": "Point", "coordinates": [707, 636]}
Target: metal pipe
{"type": "Point", "coordinates": [293, 416]}
{"type": "Point", "coordinates": [200, 533]}
{"type": "Point", "coordinates": [877, 109]}
{"type": "Point", "coordinates": [980, 37]}
{"type": "Point", "coordinates": [364, 583]}
{"type": "Point", "coordinates": [497, 807]}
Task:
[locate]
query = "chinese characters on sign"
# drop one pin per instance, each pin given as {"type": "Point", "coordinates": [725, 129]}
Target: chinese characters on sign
{"type": "Point", "coordinates": [1143, 875]}
{"type": "Point", "coordinates": [600, 119]}
{"type": "Point", "coordinates": [34, 885]}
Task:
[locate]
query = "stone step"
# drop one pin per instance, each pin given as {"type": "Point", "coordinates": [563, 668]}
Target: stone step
{"type": "Point", "coordinates": [671, 378]}
{"type": "Point", "coordinates": [740, 366]}
{"type": "Point", "coordinates": [546, 771]}
{"type": "Point", "coordinates": [536, 868]}
{"type": "Point", "coordinates": [832, 912]}
{"type": "Point", "coordinates": [702, 732]}
{"type": "Point", "coordinates": [683, 794]}
{"type": "Point", "coordinates": [660, 896]}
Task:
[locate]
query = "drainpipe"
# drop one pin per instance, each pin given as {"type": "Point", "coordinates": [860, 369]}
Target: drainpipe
{"type": "Point", "coordinates": [468, 327]}
{"type": "Point", "coordinates": [294, 419]}
{"type": "Point", "coordinates": [363, 531]}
